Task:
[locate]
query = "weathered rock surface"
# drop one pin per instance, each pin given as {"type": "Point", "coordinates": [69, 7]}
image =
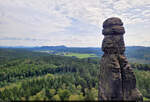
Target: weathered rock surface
{"type": "Point", "coordinates": [117, 80]}
{"type": "Point", "coordinates": [114, 30]}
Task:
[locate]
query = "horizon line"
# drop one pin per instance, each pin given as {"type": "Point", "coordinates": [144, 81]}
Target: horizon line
{"type": "Point", "coordinates": [22, 46]}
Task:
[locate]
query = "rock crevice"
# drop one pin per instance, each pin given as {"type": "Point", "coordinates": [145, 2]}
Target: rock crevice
{"type": "Point", "coordinates": [117, 80]}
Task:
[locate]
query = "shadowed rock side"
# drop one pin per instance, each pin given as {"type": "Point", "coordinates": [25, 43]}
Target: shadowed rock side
{"type": "Point", "coordinates": [117, 80]}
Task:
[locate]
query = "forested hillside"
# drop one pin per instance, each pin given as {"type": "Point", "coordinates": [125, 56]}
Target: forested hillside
{"type": "Point", "coordinates": [27, 75]}
{"type": "Point", "coordinates": [134, 54]}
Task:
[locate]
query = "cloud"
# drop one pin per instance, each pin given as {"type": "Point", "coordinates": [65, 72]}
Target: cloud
{"type": "Point", "coordinates": [68, 22]}
{"type": "Point", "coordinates": [121, 5]}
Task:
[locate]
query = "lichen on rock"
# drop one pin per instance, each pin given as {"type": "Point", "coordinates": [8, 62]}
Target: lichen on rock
{"type": "Point", "coordinates": [116, 80]}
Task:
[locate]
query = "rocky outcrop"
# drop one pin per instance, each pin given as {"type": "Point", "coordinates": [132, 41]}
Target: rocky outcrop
{"type": "Point", "coordinates": [117, 80]}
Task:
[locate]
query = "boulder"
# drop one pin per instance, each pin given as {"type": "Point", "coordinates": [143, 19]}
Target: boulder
{"type": "Point", "coordinates": [112, 21]}
{"type": "Point", "coordinates": [113, 30]}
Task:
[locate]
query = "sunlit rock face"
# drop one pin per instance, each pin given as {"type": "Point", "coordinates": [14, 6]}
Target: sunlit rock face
{"type": "Point", "coordinates": [116, 80]}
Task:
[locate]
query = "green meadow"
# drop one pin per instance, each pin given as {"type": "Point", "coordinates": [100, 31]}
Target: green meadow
{"type": "Point", "coordinates": [79, 55]}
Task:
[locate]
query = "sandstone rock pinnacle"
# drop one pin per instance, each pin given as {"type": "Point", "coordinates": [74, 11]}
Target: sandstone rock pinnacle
{"type": "Point", "coordinates": [116, 80]}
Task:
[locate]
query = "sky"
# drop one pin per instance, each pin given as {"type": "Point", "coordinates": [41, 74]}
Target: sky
{"type": "Point", "coordinates": [74, 23]}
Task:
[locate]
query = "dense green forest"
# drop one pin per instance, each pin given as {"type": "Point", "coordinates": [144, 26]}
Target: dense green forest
{"type": "Point", "coordinates": [27, 75]}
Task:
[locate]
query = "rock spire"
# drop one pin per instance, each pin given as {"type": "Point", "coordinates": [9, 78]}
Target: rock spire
{"type": "Point", "coordinates": [116, 80]}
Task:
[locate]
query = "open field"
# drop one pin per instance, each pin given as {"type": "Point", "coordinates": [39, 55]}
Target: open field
{"type": "Point", "coordinates": [79, 55]}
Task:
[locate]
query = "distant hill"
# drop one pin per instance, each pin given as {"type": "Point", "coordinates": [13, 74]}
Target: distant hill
{"type": "Point", "coordinates": [57, 49]}
{"type": "Point", "coordinates": [138, 54]}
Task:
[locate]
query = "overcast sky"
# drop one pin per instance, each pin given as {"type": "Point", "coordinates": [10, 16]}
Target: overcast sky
{"type": "Point", "coordinates": [71, 22]}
